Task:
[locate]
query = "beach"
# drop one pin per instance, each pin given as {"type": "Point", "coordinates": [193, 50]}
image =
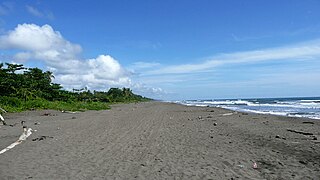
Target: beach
{"type": "Point", "coordinates": [158, 140]}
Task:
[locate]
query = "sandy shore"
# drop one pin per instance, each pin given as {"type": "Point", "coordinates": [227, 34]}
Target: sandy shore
{"type": "Point", "coordinates": [156, 140]}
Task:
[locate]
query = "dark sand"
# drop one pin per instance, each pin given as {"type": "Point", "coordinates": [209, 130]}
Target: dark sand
{"type": "Point", "coordinates": [160, 141]}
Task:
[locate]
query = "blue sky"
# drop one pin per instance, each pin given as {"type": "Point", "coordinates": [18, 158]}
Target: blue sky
{"type": "Point", "coordinates": [170, 50]}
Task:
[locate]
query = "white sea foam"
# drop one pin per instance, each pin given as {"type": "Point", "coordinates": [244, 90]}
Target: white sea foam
{"type": "Point", "coordinates": [291, 105]}
{"type": "Point", "coordinates": [284, 107]}
{"type": "Point", "coordinates": [310, 105]}
{"type": "Point", "coordinates": [190, 104]}
{"type": "Point", "coordinates": [306, 116]}
{"type": "Point", "coordinates": [255, 111]}
{"type": "Point", "coordinates": [316, 100]}
{"type": "Point", "coordinates": [227, 102]}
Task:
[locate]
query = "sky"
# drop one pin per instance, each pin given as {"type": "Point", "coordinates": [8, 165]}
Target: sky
{"type": "Point", "coordinates": [169, 50]}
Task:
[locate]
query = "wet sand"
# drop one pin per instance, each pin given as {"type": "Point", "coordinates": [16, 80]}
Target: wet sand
{"type": "Point", "coordinates": [156, 140]}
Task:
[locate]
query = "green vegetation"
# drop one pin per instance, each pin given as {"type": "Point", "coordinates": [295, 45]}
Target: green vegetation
{"type": "Point", "coordinates": [30, 88]}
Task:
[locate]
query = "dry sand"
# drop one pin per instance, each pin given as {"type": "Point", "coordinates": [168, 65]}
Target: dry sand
{"type": "Point", "coordinates": [157, 140]}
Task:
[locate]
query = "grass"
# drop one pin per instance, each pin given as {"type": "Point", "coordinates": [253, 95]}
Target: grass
{"type": "Point", "coordinates": [11, 104]}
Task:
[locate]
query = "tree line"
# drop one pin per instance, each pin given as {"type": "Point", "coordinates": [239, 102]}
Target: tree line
{"type": "Point", "coordinates": [20, 85]}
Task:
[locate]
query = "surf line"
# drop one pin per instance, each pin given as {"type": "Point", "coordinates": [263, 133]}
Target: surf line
{"type": "Point", "coordinates": [26, 133]}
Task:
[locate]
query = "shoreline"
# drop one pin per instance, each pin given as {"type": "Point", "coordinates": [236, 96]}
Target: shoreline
{"type": "Point", "coordinates": [158, 140]}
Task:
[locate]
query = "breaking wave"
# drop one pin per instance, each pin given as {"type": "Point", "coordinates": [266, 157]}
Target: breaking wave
{"type": "Point", "coordinates": [292, 107]}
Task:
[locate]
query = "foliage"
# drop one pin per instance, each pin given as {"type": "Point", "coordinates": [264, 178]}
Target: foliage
{"type": "Point", "coordinates": [31, 88]}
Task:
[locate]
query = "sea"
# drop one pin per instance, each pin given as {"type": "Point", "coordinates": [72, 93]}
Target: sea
{"type": "Point", "coordinates": [308, 107]}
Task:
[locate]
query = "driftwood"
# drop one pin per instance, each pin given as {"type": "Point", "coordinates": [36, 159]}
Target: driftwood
{"type": "Point", "coordinates": [227, 114]}
{"type": "Point", "coordinates": [72, 112]}
{"type": "Point", "coordinates": [26, 133]}
{"type": "Point", "coordinates": [299, 132]}
{"type": "Point", "coordinates": [1, 118]}
{"type": "Point", "coordinates": [3, 110]}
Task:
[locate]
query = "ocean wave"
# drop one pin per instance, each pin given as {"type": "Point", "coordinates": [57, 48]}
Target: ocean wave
{"type": "Point", "coordinates": [237, 102]}
{"type": "Point", "coordinates": [293, 107]}
{"type": "Point", "coordinates": [308, 100]}
{"type": "Point", "coordinates": [256, 111]}
{"type": "Point", "coordinates": [226, 102]}
{"type": "Point", "coordinates": [278, 113]}
{"type": "Point", "coordinates": [281, 104]}
{"type": "Point", "coordinates": [290, 105]}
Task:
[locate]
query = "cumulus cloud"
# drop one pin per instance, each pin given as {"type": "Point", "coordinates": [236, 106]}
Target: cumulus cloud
{"type": "Point", "coordinates": [99, 73]}
{"type": "Point", "coordinates": [157, 93]}
{"type": "Point", "coordinates": [43, 43]}
{"type": "Point", "coordinates": [62, 56]}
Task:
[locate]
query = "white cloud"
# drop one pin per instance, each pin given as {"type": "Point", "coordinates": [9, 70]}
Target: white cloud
{"type": "Point", "coordinates": [302, 51]}
{"type": "Point", "coordinates": [143, 89]}
{"type": "Point", "coordinates": [99, 73]}
{"type": "Point", "coordinates": [220, 70]}
{"type": "Point", "coordinates": [62, 57]}
{"type": "Point", "coordinates": [22, 56]}
{"type": "Point", "coordinates": [42, 43]}
{"type": "Point", "coordinates": [35, 12]}
{"type": "Point", "coordinates": [99, 66]}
